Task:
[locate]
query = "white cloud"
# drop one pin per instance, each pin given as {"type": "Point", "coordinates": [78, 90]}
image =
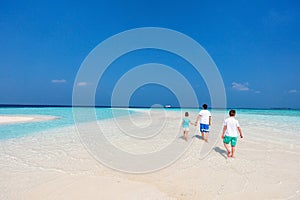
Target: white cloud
{"type": "Point", "coordinates": [293, 91]}
{"type": "Point", "coordinates": [240, 86]}
{"type": "Point", "coordinates": [81, 83]}
{"type": "Point", "coordinates": [243, 87]}
{"type": "Point", "coordinates": [58, 81]}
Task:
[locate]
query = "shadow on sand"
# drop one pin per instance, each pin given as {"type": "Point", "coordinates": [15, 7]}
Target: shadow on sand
{"type": "Point", "coordinates": [181, 137]}
{"type": "Point", "coordinates": [221, 151]}
{"type": "Point", "coordinates": [198, 137]}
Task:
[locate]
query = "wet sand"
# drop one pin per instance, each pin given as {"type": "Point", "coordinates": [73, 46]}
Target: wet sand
{"type": "Point", "coordinates": [56, 165]}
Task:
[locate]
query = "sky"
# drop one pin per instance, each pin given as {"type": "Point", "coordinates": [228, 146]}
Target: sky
{"type": "Point", "coordinates": [254, 44]}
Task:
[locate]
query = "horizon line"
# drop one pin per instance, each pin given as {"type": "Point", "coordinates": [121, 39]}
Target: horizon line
{"type": "Point", "coordinates": [106, 106]}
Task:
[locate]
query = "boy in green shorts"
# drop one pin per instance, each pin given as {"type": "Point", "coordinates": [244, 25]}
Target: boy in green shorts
{"type": "Point", "coordinates": [230, 133]}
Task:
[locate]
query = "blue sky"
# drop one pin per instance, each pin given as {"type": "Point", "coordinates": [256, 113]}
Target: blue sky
{"type": "Point", "coordinates": [255, 45]}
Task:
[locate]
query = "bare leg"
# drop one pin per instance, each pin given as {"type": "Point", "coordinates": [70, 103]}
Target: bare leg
{"type": "Point", "coordinates": [232, 150]}
{"type": "Point", "coordinates": [206, 138]}
{"type": "Point", "coordinates": [228, 150]}
{"type": "Point", "coordinates": [202, 133]}
{"type": "Point", "coordinates": [185, 135]}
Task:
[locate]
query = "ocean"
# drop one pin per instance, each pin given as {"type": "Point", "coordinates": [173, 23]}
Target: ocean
{"type": "Point", "coordinates": [257, 121]}
{"type": "Point", "coordinates": [64, 118]}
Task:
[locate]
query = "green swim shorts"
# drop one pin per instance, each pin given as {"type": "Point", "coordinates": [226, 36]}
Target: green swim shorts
{"type": "Point", "coordinates": [232, 140]}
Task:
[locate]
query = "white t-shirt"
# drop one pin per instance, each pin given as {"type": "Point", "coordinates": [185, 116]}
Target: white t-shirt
{"type": "Point", "coordinates": [205, 114]}
{"type": "Point", "coordinates": [231, 123]}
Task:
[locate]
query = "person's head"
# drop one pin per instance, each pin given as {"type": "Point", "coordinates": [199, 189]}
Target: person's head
{"type": "Point", "coordinates": [186, 114]}
{"type": "Point", "coordinates": [204, 106]}
{"type": "Point", "coordinates": [232, 113]}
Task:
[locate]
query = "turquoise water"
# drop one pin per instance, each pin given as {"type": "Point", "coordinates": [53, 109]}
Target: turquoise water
{"type": "Point", "coordinates": [267, 120]}
{"type": "Point", "coordinates": [282, 118]}
{"type": "Point", "coordinates": [277, 119]}
{"type": "Point", "coordinates": [64, 114]}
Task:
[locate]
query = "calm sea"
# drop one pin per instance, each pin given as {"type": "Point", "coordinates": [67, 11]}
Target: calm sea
{"type": "Point", "coordinates": [64, 118]}
{"type": "Point", "coordinates": [268, 119]}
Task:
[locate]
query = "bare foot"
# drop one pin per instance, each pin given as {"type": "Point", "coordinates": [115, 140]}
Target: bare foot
{"type": "Point", "coordinates": [232, 156]}
{"type": "Point", "coordinates": [206, 140]}
{"type": "Point", "coordinates": [228, 154]}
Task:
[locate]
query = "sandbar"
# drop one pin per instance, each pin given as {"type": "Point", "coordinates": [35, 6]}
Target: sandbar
{"type": "Point", "coordinates": [11, 119]}
{"type": "Point", "coordinates": [57, 165]}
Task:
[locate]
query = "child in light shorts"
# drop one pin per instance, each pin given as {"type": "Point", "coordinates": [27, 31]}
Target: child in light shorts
{"type": "Point", "coordinates": [186, 125]}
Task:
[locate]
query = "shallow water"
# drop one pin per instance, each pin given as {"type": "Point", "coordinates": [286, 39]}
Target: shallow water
{"type": "Point", "coordinates": [42, 159]}
{"type": "Point", "coordinates": [257, 121]}
{"type": "Point", "coordinates": [64, 118]}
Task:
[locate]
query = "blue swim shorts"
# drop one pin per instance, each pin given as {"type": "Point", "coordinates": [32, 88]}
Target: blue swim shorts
{"type": "Point", "coordinates": [204, 128]}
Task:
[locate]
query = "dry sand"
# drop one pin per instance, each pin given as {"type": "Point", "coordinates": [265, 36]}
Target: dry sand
{"type": "Point", "coordinates": [56, 165]}
{"type": "Point", "coordinates": [4, 119]}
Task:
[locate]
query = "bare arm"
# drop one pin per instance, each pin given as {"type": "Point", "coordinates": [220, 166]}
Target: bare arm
{"type": "Point", "coordinates": [210, 120]}
{"type": "Point", "coordinates": [181, 124]}
{"type": "Point", "coordinates": [223, 132]}
{"type": "Point", "coordinates": [193, 123]}
{"type": "Point", "coordinates": [197, 120]}
{"type": "Point", "coordinates": [240, 131]}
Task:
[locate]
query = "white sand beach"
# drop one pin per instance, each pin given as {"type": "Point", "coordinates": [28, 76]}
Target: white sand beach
{"type": "Point", "coordinates": [56, 165]}
{"type": "Point", "coordinates": [7, 119]}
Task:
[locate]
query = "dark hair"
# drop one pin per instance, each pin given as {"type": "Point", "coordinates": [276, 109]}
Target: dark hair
{"type": "Point", "coordinates": [186, 114]}
{"type": "Point", "coordinates": [232, 113]}
{"type": "Point", "coordinates": [204, 106]}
